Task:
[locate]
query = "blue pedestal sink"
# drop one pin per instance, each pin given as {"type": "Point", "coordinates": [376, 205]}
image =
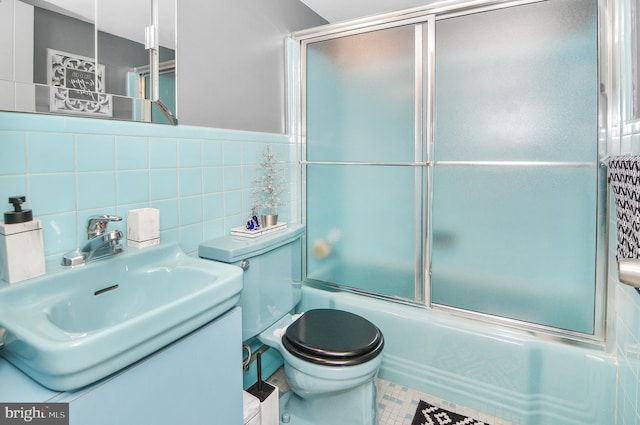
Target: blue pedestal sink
{"type": "Point", "coordinates": [75, 326]}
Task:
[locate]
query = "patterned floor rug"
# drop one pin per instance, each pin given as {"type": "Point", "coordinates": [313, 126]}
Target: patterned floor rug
{"type": "Point", "coordinates": [427, 414]}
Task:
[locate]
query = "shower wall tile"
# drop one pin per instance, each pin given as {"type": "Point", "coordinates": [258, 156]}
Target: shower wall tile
{"type": "Point", "coordinates": [52, 193]}
{"type": "Point", "coordinates": [232, 203]}
{"type": "Point", "coordinates": [281, 151]}
{"type": "Point", "coordinates": [232, 153]}
{"type": "Point", "coordinates": [170, 236]}
{"type": "Point", "coordinates": [133, 186]}
{"type": "Point", "coordinates": [142, 129]}
{"type": "Point", "coordinates": [96, 190]}
{"type": "Point", "coordinates": [20, 122]}
{"type": "Point", "coordinates": [190, 210]}
{"type": "Point", "coordinates": [189, 153]}
{"type": "Point", "coordinates": [213, 229]}
{"type": "Point", "coordinates": [249, 175]}
{"type": "Point", "coordinates": [190, 237]}
{"type": "Point", "coordinates": [13, 158]}
{"type": "Point", "coordinates": [232, 178]}
{"type": "Point", "coordinates": [162, 153]}
{"type": "Point", "coordinates": [190, 181]}
{"type": "Point", "coordinates": [635, 143]}
{"type": "Point", "coordinates": [168, 213]}
{"type": "Point", "coordinates": [625, 144]}
{"type": "Point", "coordinates": [132, 153]}
{"type": "Point", "coordinates": [95, 153]}
{"type": "Point", "coordinates": [54, 229]}
{"type": "Point", "coordinates": [50, 153]}
{"type": "Point", "coordinates": [628, 352]}
{"type": "Point", "coordinates": [212, 206]}
{"type": "Point", "coordinates": [629, 139]}
{"type": "Point", "coordinates": [79, 126]}
{"type": "Point", "coordinates": [163, 183]}
{"type": "Point", "coordinates": [250, 154]}
{"type": "Point", "coordinates": [247, 204]}
{"type": "Point", "coordinates": [70, 168]}
{"type": "Point", "coordinates": [627, 313]}
{"type": "Point", "coordinates": [212, 179]}
{"type": "Point", "coordinates": [11, 185]}
{"type": "Point", "coordinates": [211, 153]}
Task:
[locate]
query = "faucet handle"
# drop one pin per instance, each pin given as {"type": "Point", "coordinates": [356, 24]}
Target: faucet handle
{"type": "Point", "coordinates": [97, 224]}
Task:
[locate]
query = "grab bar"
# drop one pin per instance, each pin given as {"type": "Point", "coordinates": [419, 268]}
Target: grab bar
{"type": "Point", "coordinates": [629, 272]}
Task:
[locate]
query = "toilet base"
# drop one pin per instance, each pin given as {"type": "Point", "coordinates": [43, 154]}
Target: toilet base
{"type": "Point", "coordinates": [356, 406]}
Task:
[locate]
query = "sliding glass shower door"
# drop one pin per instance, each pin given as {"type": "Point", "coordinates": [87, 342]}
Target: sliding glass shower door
{"type": "Point", "coordinates": [362, 183]}
{"type": "Point", "coordinates": [453, 161]}
{"type": "Point", "coordinates": [516, 163]}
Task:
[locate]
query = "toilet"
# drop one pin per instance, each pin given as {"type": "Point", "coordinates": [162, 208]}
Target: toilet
{"type": "Point", "coordinates": [331, 357]}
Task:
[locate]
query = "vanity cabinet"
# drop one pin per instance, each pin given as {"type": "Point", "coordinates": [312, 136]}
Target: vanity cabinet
{"type": "Point", "coordinates": [195, 380]}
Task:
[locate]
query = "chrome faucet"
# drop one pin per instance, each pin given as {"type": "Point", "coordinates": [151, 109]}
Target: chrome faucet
{"type": "Point", "coordinates": [101, 243]}
{"type": "Point", "coordinates": [97, 224]}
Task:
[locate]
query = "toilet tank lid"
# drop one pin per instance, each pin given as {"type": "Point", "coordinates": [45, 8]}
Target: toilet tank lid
{"type": "Point", "coordinates": [230, 249]}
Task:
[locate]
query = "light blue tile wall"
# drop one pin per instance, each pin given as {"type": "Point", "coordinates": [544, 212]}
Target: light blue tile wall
{"type": "Point", "coordinates": [627, 310]}
{"type": "Point", "coordinates": [628, 352]}
{"type": "Point", "coordinates": [69, 168]}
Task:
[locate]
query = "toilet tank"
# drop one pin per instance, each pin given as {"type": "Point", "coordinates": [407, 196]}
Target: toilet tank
{"type": "Point", "coordinates": [272, 274]}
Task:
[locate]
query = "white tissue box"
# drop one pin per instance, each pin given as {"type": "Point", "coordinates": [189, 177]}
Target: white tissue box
{"type": "Point", "coordinates": [143, 227]}
{"type": "Point", "coordinates": [143, 244]}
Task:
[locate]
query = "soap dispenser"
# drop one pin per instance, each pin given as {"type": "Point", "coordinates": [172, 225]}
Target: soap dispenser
{"type": "Point", "coordinates": [21, 244]}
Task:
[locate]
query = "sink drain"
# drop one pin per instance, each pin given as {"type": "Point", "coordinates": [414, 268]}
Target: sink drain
{"type": "Point", "coordinates": [107, 289]}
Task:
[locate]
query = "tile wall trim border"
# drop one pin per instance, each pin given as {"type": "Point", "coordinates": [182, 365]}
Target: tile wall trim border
{"type": "Point", "coordinates": [16, 121]}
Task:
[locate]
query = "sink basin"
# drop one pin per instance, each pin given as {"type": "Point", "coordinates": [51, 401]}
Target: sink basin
{"type": "Point", "coordinates": [73, 327]}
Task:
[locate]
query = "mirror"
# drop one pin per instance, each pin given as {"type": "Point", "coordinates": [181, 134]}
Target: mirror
{"type": "Point", "coordinates": [101, 58]}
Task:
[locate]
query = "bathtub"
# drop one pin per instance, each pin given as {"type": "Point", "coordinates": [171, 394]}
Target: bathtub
{"type": "Point", "coordinates": [503, 372]}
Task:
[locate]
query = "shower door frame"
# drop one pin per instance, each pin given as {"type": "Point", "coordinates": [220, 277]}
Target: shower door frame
{"type": "Point", "coordinates": [424, 19]}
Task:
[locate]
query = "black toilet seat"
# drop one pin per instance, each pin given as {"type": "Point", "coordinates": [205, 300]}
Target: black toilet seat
{"type": "Point", "coordinates": [333, 338]}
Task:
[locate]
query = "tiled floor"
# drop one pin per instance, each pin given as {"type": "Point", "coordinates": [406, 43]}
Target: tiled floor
{"type": "Point", "coordinates": [397, 404]}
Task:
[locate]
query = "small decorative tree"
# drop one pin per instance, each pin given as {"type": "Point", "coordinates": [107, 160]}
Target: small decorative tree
{"type": "Point", "coordinates": [269, 186]}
